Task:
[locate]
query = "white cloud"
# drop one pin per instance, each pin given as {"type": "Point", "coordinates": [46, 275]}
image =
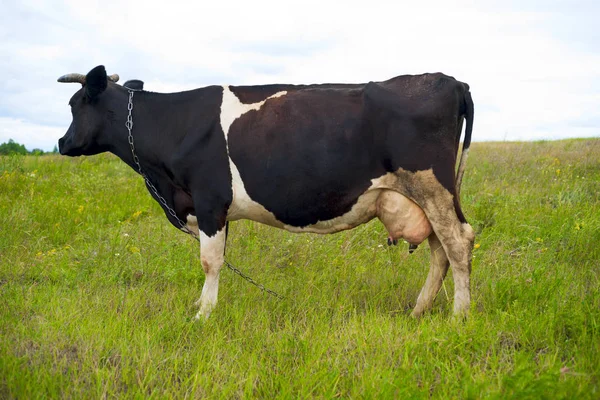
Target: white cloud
{"type": "Point", "coordinates": [30, 134]}
{"type": "Point", "coordinates": [530, 76]}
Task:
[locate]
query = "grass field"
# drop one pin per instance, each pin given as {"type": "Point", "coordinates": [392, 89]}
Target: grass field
{"type": "Point", "coordinates": [97, 292]}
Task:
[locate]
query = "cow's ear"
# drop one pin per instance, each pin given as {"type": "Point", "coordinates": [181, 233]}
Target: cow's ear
{"type": "Point", "coordinates": [95, 82]}
{"type": "Point", "coordinates": [134, 84]}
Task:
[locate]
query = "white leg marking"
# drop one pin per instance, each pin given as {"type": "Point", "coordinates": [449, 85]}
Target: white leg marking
{"type": "Point", "coordinates": [437, 273]}
{"type": "Point", "coordinates": [461, 270]}
{"type": "Point", "coordinates": [211, 254]}
{"type": "Point", "coordinates": [456, 238]}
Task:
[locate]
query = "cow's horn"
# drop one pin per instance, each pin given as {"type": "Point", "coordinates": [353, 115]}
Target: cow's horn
{"type": "Point", "coordinates": [72, 78]}
{"type": "Point", "coordinates": [80, 78]}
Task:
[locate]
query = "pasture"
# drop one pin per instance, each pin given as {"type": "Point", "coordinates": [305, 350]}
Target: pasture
{"type": "Point", "coordinates": [97, 292]}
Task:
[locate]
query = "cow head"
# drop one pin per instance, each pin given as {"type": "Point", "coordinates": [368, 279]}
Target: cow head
{"type": "Point", "coordinates": [92, 110]}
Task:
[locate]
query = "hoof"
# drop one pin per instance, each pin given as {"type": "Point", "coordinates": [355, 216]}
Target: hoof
{"type": "Point", "coordinates": [202, 315]}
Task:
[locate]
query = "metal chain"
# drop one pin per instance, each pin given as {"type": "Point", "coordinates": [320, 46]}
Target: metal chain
{"type": "Point", "coordinates": [252, 281]}
{"type": "Point", "coordinates": [183, 226]}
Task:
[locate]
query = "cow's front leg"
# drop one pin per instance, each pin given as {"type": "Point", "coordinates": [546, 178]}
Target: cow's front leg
{"type": "Point", "coordinates": [212, 250]}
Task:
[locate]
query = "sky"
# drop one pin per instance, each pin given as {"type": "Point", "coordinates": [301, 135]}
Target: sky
{"type": "Point", "coordinates": [533, 65]}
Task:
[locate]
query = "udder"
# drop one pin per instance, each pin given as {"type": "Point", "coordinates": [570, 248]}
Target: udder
{"type": "Point", "coordinates": [402, 218]}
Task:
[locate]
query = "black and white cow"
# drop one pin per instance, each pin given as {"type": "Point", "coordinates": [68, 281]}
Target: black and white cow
{"type": "Point", "coordinates": [305, 158]}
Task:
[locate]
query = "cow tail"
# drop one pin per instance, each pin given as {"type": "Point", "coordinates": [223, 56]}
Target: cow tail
{"type": "Point", "coordinates": [469, 111]}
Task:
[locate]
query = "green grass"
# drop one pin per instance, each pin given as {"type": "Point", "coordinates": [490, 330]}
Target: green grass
{"type": "Point", "coordinates": [97, 292]}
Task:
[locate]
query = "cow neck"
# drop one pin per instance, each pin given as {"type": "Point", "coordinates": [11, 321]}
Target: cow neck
{"type": "Point", "coordinates": [136, 162]}
{"type": "Point", "coordinates": [161, 124]}
{"type": "Point", "coordinates": [145, 135]}
{"type": "Point", "coordinates": [146, 140]}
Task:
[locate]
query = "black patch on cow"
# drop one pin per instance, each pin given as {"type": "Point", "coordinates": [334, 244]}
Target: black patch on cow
{"type": "Point", "coordinates": [203, 164]}
{"type": "Point", "coordinates": [307, 156]}
{"type": "Point", "coordinates": [421, 125]}
{"type": "Point", "coordinates": [188, 134]}
{"type": "Point", "coordinates": [255, 94]}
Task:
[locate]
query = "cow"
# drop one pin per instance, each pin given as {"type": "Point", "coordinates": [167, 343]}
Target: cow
{"type": "Point", "coordinates": [304, 158]}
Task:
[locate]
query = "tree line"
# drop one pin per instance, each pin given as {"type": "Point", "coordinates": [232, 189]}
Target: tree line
{"type": "Point", "coordinates": [11, 147]}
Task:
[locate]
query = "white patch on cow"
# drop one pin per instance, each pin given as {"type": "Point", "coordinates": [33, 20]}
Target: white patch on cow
{"type": "Point", "coordinates": [212, 250]}
{"type": "Point", "coordinates": [242, 206]}
{"type": "Point", "coordinates": [232, 108]}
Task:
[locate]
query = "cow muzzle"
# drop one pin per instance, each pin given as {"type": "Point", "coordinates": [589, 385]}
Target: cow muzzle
{"type": "Point", "coordinates": [62, 146]}
{"type": "Point", "coordinates": [66, 146]}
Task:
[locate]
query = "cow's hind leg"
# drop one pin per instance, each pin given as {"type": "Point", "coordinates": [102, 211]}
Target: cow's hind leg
{"type": "Point", "coordinates": [457, 240]}
{"type": "Point", "coordinates": [437, 273]}
{"type": "Point", "coordinates": [454, 233]}
{"type": "Point", "coordinates": [212, 256]}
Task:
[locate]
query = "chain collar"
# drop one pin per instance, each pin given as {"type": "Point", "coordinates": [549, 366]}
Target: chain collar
{"type": "Point", "coordinates": [183, 226]}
